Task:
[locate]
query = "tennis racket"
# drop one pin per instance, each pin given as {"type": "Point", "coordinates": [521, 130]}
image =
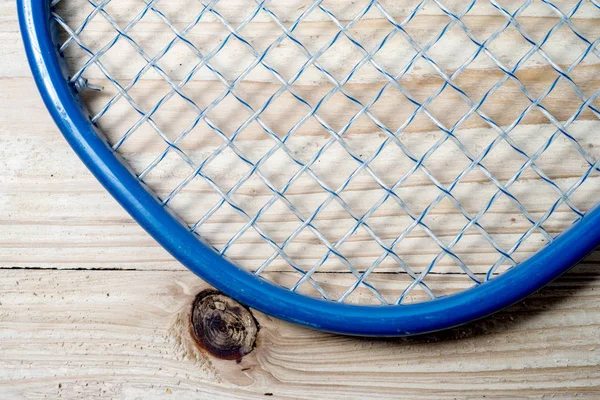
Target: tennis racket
{"type": "Point", "coordinates": [367, 167]}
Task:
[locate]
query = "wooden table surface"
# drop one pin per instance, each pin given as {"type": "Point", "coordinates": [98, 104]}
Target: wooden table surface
{"type": "Point", "coordinates": [92, 307]}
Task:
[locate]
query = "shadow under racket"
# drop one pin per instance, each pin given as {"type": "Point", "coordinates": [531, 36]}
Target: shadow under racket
{"type": "Point", "coordinates": [562, 293]}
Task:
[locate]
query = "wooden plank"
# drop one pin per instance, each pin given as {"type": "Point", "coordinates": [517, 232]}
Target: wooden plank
{"type": "Point", "coordinates": [125, 334]}
{"type": "Point", "coordinates": [71, 197]}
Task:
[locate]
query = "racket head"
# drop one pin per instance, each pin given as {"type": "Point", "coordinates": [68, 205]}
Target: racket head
{"type": "Point", "coordinates": [50, 72]}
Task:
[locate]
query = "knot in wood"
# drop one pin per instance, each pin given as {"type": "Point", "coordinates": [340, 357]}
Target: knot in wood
{"type": "Point", "coordinates": [222, 326]}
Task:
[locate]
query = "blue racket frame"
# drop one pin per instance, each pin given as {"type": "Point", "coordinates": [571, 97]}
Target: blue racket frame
{"type": "Point", "coordinates": [50, 72]}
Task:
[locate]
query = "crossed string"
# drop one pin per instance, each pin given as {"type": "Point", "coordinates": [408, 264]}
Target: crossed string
{"type": "Point", "coordinates": [456, 240]}
{"type": "Point", "coordinates": [123, 93]}
{"type": "Point", "coordinates": [337, 136]}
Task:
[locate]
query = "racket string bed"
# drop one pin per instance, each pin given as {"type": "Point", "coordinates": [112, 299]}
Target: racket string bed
{"type": "Point", "coordinates": [311, 110]}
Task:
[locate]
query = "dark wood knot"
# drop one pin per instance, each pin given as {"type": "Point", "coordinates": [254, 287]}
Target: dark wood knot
{"type": "Point", "coordinates": [222, 326]}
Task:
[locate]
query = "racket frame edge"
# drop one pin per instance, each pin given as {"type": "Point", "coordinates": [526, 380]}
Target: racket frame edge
{"type": "Point", "coordinates": [48, 68]}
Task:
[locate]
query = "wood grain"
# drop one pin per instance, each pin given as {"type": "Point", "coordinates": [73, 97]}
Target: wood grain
{"type": "Point", "coordinates": [92, 307]}
{"type": "Point", "coordinates": [125, 334]}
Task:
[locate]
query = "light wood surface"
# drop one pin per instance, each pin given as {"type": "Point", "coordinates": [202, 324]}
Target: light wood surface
{"type": "Point", "coordinates": [92, 307]}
